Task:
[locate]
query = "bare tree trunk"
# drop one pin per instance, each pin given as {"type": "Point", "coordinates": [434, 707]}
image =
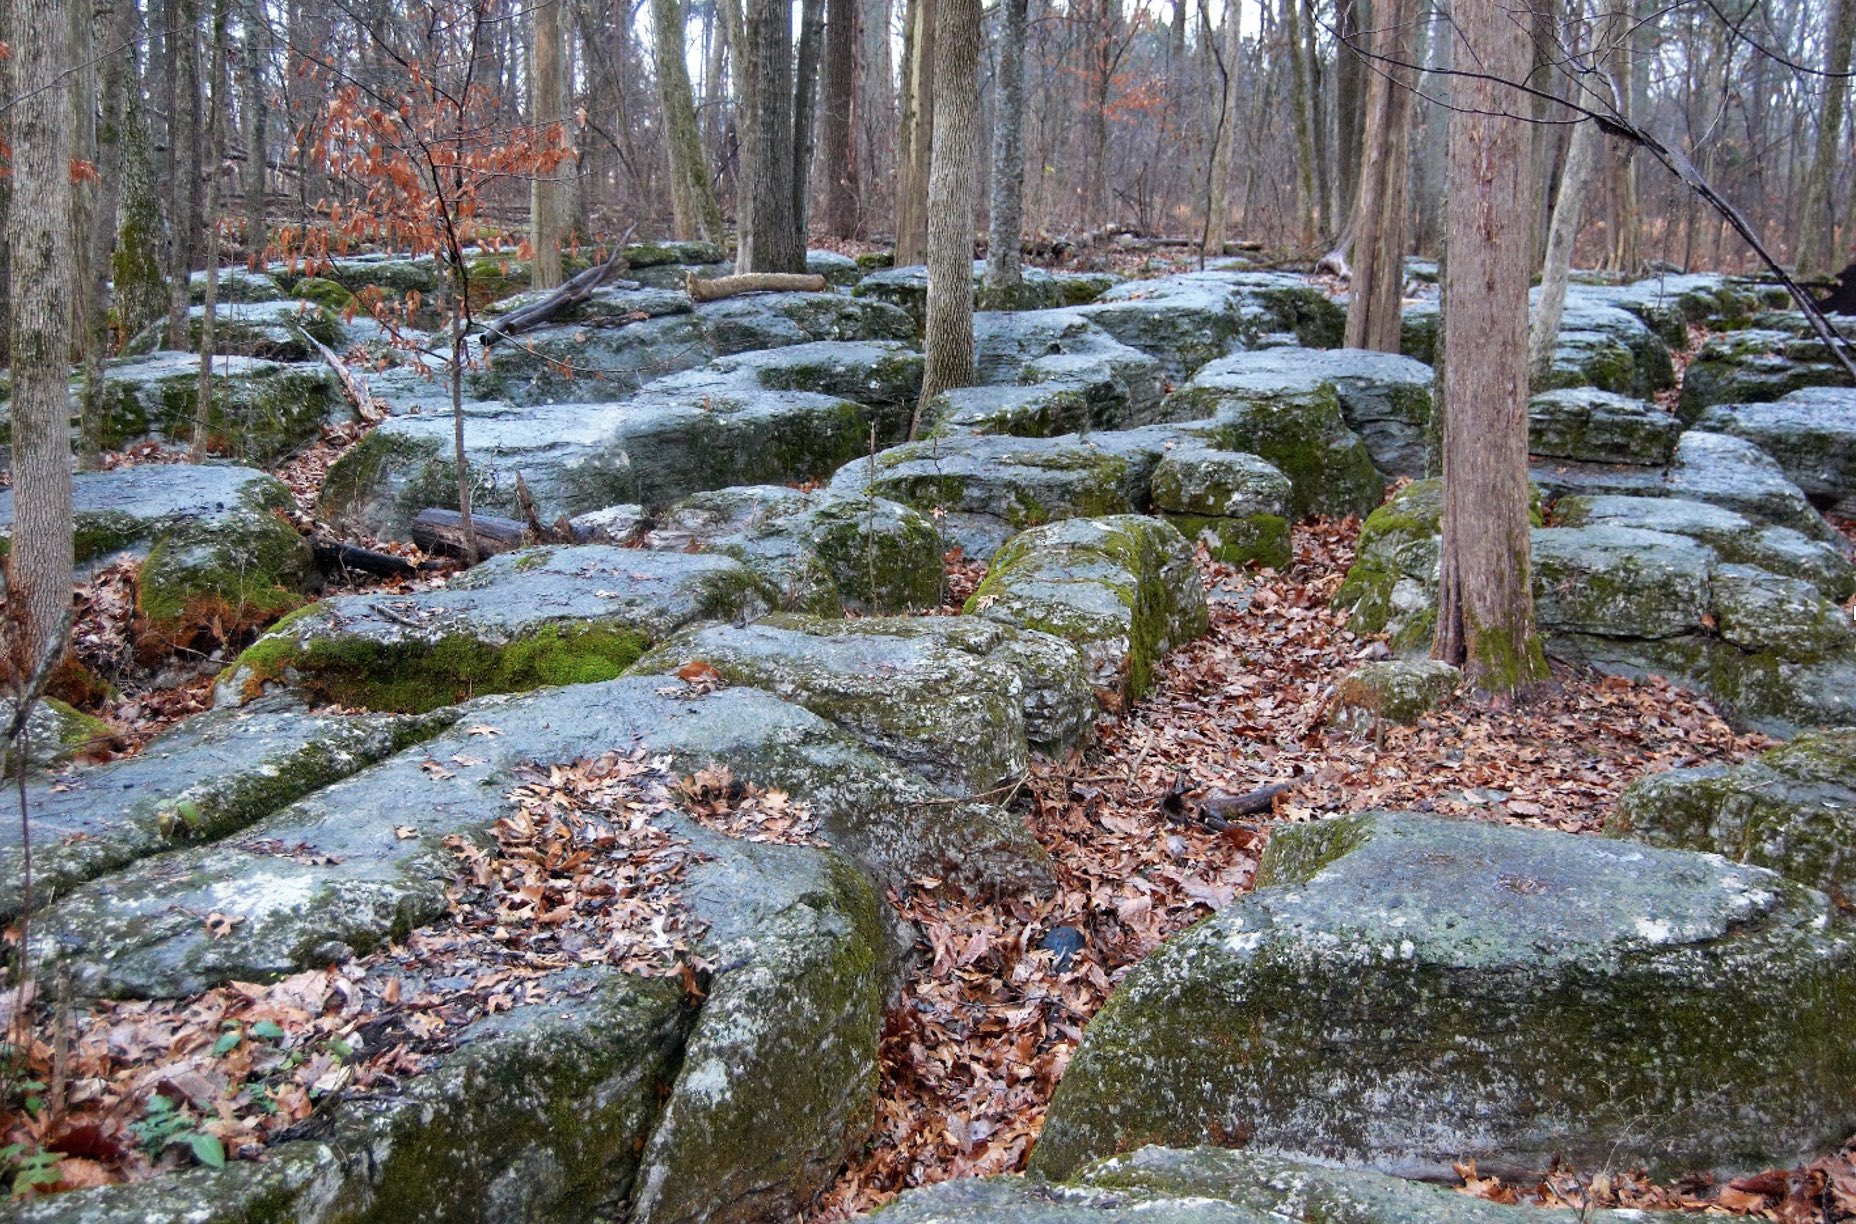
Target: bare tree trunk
{"type": "Point", "coordinates": [1575, 180]}
{"type": "Point", "coordinates": [39, 122]}
{"type": "Point", "coordinates": [256, 116]}
{"type": "Point", "coordinates": [141, 290]}
{"type": "Point", "coordinates": [1432, 130]}
{"type": "Point", "coordinates": [1100, 30]}
{"type": "Point", "coordinates": [1317, 124]}
{"type": "Point", "coordinates": [1379, 222]}
{"type": "Point", "coordinates": [805, 118]}
{"type": "Point", "coordinates": [1224, 125]}
{"type": "Point", "coordinates": [876, 108]}
{"type": "Point", "coordinates": [948, 342]}
{"type": "Point", "coordinates": [1626, 253]}
{"type": "Point", "coordinates": [185, 159]}
{"type": "Point", "coordinates": [548, 111]}
{"type": "Point", "coordinates": [1485, 610]}
{"type": "Point", "coordinates": [1818, 228]}
{"type": "Point", "coordinates": [1350, 87]}
{"type": "Point", "coordinates": [1302, 118]}
{"type": "Point", "coordinates": [209, 219]}
{"type": "Point", "coordinates": [90, 253]}
{"type": "Point", "coordinates": [692, 200]}
{"type": "Point", "coordinates": [915, 136]}
{"type": "Point", "coordinates": [766, 226]}
{"type": "Point", "coordinates": [837, 133]}
{"type": "Point", "coordinates": [1006, 212]}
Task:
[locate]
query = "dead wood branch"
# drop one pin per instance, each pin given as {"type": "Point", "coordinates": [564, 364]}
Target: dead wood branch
{"type": "Point", "coordinates": [751, 282]}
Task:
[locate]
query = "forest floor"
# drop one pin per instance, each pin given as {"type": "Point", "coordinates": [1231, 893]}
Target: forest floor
{"type": "Point", "coordinates": [987, 1023]}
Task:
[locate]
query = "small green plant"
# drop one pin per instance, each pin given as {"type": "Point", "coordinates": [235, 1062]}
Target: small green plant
{"type": "Point", "coordinates": [166, 1123]}
{"type": "Point", "coordinates": [27, 1171]}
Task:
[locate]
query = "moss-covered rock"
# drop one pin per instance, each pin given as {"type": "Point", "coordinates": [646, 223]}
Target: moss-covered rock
{"type": "Point", "coordinates": [1406, 992]}
{"type": "Point", "coordinates": [1605, 347]}
{"type": "Point", "coordinates": [1384, 397]}
{"type": "Point", "coordinates": [1792, 810]}
{"type": "Point", "coordinates": [246, 566]}
{"type": "Point", "coordinates": [1122, 588]}
{"type": "Point", "coordinates": [209, 778]}
{"type": "Point", "coordinates": [331, 295]}
{"type": "Point", "coordinates": [1301, 432]}
{"type": "Point", "coordinates": [261, 411]}
{"type": "Point", "coordinates": [520, 620]}
{"type": "Point", "coordinates": [959, 704]}
{"type": "Point", "coordinates": [54, 734]}
{"type": "Point", "coordinates": [1394, 691]}
{"type": "Point", "coordinates": [1061, 346]}
{"type": "Point", "coordinates": [1212, 1186]}
{"type": "Point", "coordinates": [1236, 504]}
{"type": "Point", "coordinates": [1810, 433]}
{"type": "Point", "coordinates": [1733, 472]}
{"type": "Point", "coordinates": [1188, 320]}
{"type": "Point", "coordinates": [236, 285]}
{"type": "Point", "coordinates": [1041, 410]}
{"type": "Point", "coordinates": [273, 331]}
{"type": "Point", "coordinates": [1594, 426]}
{"type": "Point", "coordinates": [1751, 366]}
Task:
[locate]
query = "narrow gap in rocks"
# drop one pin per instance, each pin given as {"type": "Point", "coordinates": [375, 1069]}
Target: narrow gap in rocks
{"type": "Point", "coordinates": [1002, 989]}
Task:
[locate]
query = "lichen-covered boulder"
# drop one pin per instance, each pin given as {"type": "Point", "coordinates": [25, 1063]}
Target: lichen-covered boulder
{"type": "Point", "coordinates": [1405, 992]}
{"type": "Point", "coordinates": [1208, 1185]}
{"type": "Point", "coordinates": [839, 271]}
{"type": "Point", "coordinates": [1039, 410]}
{"type": "Point", "coordinates": [983, 488]}
{"type": "Point", "coordinates": [1395, 691]}
{"type": "Point", "coordinates": [1670, 303]}
{"type": "Point", "coordinates": [538, 1114]}
{"type": "Point", "coordinates": [382, 866]}
{"type": "Point", "coordinates": [1753, 366]}
{"type": "Point", "coordinates": [521, 620]}
{"type": "Point", "coordinates": [53, 734]}
{"type": "Point", "coordinates": [952, 702]}
{"type": "Point", "coordinates": [1732, 535]}
{"type": "Point", "coordinates": [1301, 432]}
{"type": "Point", "coordinates": [1122, 588]}
{"type": "Point", "coordinates": [822, 552]}
{"type": "Point", "coordinates": [272, 330]}
{"type": "Point", "coordinates": [750, 419]}
{"type": "Point", "coordinates": [1620, 581]}
{"type": "Point", "coordinates": [1236, 504]}
{"type": "Point", "coordinates": [261, 410]}
{"type": "Point", "coordinates": [235, 285]}
{"type": "Point", "coordinates": [1792, 809]}
{"type": "Point", "coordinates": [1735, 473]}
{"type": "Point", "coordinates": [1811, 433]}
{"type": "Point", "coordinates": [1608, 348]}
{"type": "Point", "coordinates": [1594, 426]}
{"type": "Point", "coordinates": [1062, 346]}
{"type": "Point", "coordinates": [907, 289]}
{"type": "Point", "coordinates": [208, 778]}
{"type": "Point", "coordinates": [1188, 320]}
{"type": "Point", "coordinates": [1384, 397]}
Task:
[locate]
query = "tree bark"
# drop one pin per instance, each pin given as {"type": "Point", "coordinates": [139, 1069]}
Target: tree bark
{"type": "Point", "coordinates": [1379, 222]}
{"type": "Point", "coordinates": [1582, 154]}
{"type": "Point", "coordinates": [766, 227]}
{"type": "Point", "coordinates": [1817, 233]}
{"type": "Point", "coordinates": [692, 199]}
{"type": "Point", "coordinates": [1485, 611]}
{"type": "Point", "coordinates": [751, 282]}
{"type": "Point", "coordinates": [915, 134]}
{"type": "Point", "coordinates": [209, 220]}
{"type": "Point", "coordinates": [548, 111]}
{"type": "Point", "coordinates": [141, 289]}
{"type": "Point", "coordinates": [1350, 85]}
{"type": "Point", "coordinates": [805, 118]}
{"type": "Point", "coordinates": [1224, 125]}
{"type": "Point", "coordinates": [184, 157]}
{"type": "Point", "coordinates": [255, 117]}
{"type": "Point", "coordinates": [1626, 253]}
{"type": "Point", "coordinates": [39, 123]}
{"type": "Point", "coordinates": [837, 131]}
{"type": "Point", "coordinates": [1301, 116]}
{"type": "Point", "coordinates": [948, 339]}
{"type": "Point", "coordinates": [876, 109]}
{"type": "Point", "coordinates": [1006, 211]}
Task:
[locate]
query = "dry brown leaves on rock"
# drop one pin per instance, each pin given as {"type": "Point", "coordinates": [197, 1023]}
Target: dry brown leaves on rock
{"type": "Point", "coordinates": [985, 1030]}
{"type": "Point", "coordinates": [580, 871]}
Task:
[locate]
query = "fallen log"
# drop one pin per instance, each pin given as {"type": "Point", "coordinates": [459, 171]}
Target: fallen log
{"type": "Point", "coordinates": [441, 533]}
{"type": "Point", "coordinates": [751, 282]}
{"type": "Point", "coordinates": [338, 555]}
{"type": "Point", "coordinates": [366, 407]}
{"type": "Point", "coordinates": [576, 290]}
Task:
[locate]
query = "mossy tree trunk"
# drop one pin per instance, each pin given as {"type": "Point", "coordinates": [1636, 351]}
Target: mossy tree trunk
{"type": "Point", "coordinates": [692, 201]}
{"type": "Point", "coordinates": [1818, 221]}
{"type": "Point", "coordinates": [952, 185]}
{"type": "Point", "coordinates": [255, 118]}
{"type": "Point", "coordinates": [1485, 615]}
{"type": "Point", "coordinates": [1379, 223]}
{"type": "Point", "coordinates": [1006, 211]}
{"type": "Point", "coordinates": [915, 133]}
{"type": "Point", "coordinates": [141, 289]}
{"type": "Point", "coordinates": [39, 127]}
